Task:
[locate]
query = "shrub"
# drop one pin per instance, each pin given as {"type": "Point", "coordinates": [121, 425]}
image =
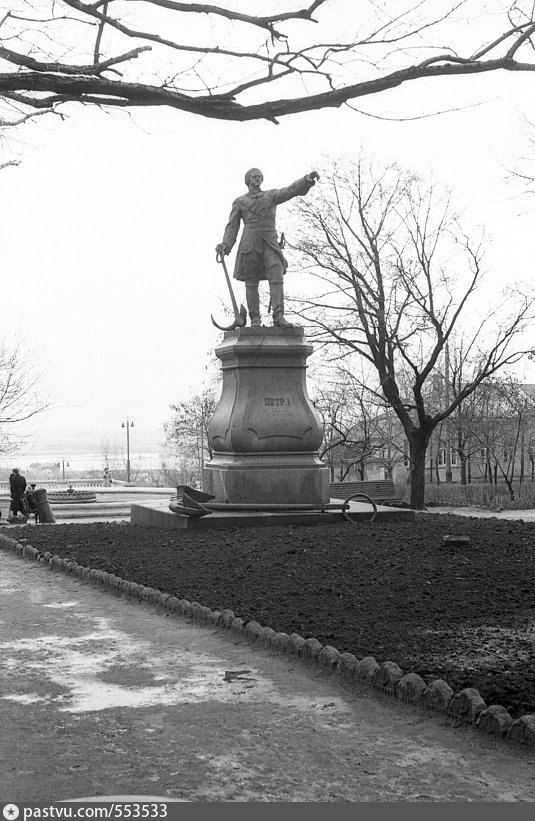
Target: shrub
{"type": "Point", "coordinates": [480, 495]}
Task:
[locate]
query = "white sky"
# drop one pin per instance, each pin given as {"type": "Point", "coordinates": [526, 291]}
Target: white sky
{"type": "Point", "coordinates": [109, 225]}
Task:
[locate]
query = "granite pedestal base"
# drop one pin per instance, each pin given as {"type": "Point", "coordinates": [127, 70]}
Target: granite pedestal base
{"type": "Point", "coordinates": [276, 478]}
{"type": "Point", "coordinates": [265, 432]}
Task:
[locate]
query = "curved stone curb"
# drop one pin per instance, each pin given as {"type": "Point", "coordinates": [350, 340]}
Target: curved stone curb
{"type": "Point", "coordinates": [387, 678]}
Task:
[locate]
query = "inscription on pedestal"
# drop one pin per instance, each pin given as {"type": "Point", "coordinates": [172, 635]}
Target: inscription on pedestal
{"type": "Point", "coordinates": [276, 401]}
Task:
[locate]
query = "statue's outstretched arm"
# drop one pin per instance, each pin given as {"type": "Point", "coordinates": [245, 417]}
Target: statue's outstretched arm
{"type": "Point", "coordinates": [297, 188]}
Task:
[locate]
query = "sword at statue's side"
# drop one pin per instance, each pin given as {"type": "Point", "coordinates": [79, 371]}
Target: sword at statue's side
{"type": "Point", "coordinates": [240, 316]}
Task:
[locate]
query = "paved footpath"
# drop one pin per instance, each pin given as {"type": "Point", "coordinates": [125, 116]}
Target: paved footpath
{"type": "Point", "coordinates": [484, 513]}
{"type": "Point", "coordinates": [101, 695]}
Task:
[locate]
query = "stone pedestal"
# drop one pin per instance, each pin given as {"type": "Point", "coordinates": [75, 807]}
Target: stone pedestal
{"type": "Point", "coordinates": [265, 433]}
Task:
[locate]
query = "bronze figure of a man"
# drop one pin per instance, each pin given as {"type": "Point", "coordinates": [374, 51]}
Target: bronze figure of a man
{"type": "Point", "coordinates": [259, 255]}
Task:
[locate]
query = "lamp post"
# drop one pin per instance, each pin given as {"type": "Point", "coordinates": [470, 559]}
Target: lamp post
{"type": "Point", "coordinates": [62, 464]}
{"type": "Point", "coordinates": [127, 423]}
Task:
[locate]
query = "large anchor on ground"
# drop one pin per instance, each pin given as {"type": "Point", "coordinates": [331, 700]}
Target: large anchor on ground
{"type": "Point", "coordinates": [240, 316]}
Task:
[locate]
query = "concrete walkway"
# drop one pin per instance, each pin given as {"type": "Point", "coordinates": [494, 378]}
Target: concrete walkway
{"type": "Point", "coordinates": [485, 513]}
{"type": "Point", "coordinates": [101, 695]}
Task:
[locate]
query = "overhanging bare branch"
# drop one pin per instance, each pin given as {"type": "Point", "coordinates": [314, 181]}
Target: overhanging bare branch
{"type": "Point", "coordinates": [239, 75]}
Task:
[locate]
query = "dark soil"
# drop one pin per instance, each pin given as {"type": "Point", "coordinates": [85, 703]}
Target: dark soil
{"type": "Point", "coordinates": [394, 591]}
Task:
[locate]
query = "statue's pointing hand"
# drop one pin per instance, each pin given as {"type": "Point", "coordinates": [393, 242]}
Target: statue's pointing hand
{"type": "Point", "coordinates": [313, 176]}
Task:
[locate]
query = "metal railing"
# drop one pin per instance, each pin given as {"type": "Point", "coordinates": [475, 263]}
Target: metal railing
{"type": "Point", "coordinates": [58, 483]}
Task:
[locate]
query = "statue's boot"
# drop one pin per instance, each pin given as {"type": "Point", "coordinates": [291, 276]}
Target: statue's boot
{"type": "Point", "coordinates": [253, 304]}
{"type": "Point", "coordinates": [277, 305]}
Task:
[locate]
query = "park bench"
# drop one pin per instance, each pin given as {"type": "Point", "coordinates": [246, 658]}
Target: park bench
{"type": "Point", "coordinates": [380, 490]}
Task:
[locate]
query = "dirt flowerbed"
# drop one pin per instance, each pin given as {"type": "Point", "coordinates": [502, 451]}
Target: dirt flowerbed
{"type": "Point", "coordinates": [395, 591]}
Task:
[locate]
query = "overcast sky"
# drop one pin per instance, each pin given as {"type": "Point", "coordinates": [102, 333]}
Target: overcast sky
{"type": "Point", "coordinates": [108, 228]}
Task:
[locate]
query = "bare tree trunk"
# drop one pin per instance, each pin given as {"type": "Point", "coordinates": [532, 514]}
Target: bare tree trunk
{"type": "Point", "coordinates": [418, 449]}
{"type": "Point", "coordinates": [449, 474]}
{"type": "Point", "coordinates": [509, 483]}
{"type": "Point", "coordinates": [463, 473]}
{"type": "Point", "coordinates": [462, 455]}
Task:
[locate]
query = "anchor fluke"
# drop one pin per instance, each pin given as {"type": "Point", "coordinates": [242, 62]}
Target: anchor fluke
{"type": "Point", "coordinates": [239, 321]}
{"type": "Point", "coordinates": [240, 316]}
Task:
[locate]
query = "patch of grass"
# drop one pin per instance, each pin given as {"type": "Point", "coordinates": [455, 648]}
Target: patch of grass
{"type": "Point", "coordinates": [477, 495]}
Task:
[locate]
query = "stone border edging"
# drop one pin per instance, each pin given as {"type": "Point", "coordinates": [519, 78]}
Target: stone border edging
{"type": "Point", "coordinates": [387, 678]}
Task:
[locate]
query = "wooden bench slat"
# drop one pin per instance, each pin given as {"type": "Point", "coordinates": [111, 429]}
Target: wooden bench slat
{"type": "Point", "coordinates": [380, 490]}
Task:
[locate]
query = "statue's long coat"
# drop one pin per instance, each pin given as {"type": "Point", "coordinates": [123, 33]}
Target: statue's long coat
{"type": "Point", "coordinates": [257, 212]}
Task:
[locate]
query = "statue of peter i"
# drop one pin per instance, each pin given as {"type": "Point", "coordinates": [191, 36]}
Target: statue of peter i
{"type": "Point", "coordinates": [259, 255]}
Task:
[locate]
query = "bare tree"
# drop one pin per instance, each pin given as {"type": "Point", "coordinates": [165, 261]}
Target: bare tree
{"type": "Point", "coordinates": [350, 425]}
{"type": "Point", "coordinates": [187, 435]}
{"type": "Point", "coordinates": [530, 452]}
{"type": "Point", "coordinates": [502, 428]}
{"type": "Point", "coordinates": [180, 470]}
{"type": "Point", "coordinates": [19, 395]}
{"type": "Point", "coordinates": [111, 455]}
{"type": "Point", "coordinates": [395, 273]}
{"type": "Point", "coordinates": [332, 407]}
{"type": "Point", "coordinates": [218, 62]}
{"type": "Point", "coordinates": [393, 451]}
{"type": "Point", "coordinates": [455, 435]}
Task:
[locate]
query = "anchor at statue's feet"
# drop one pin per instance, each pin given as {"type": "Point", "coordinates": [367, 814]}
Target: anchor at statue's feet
{"type": "Point", "coordinates": [240, 316]}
